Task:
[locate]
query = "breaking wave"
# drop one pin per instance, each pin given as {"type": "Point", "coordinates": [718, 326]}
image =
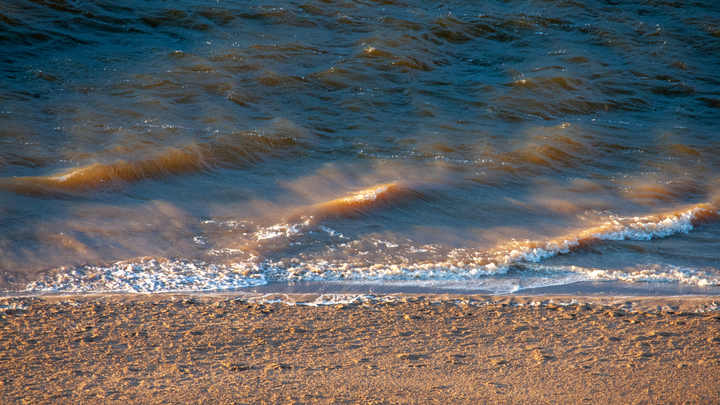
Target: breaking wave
{"type": "Point", "coordinates": [151, 275]}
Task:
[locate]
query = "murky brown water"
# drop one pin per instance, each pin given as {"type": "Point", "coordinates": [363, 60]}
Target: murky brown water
{"type": "Point", "coordinates": [155, 146]}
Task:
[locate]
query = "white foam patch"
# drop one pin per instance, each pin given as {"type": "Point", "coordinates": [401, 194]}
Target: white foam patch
{"type": "Point", "coordinates": [12, 306]}
{"type": "Point", "coordinates": [366, 195]}
{"type": "Point", "coordinates": [657, 273]}
{"type": "Point", "coordinates": [646, 228]}
{"type": "Point", "coordinates": [152, 276]}
{"type": "Point", "coordinates": [323, 270]}
{"type": "Point", "coordinates": [275, 231]}
{"type": "Point", "coordinates": [320, 300]}
{"type": "Point", "coordinates": [642, 273]}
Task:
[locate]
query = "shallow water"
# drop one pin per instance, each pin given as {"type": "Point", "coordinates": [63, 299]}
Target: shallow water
{"type": "Point", "coordinates": [170, 146]}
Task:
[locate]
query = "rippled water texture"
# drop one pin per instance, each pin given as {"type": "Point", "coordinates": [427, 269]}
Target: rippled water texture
{"type": "Point", "coordinates": [183, 145]}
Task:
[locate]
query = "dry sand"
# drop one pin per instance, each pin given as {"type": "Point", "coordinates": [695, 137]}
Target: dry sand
{"type": "Point", "coordinates": [416, 349]}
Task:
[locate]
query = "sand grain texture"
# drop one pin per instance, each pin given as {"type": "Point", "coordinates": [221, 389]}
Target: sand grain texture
{"type": "Point", "coordinates": [219, 350]}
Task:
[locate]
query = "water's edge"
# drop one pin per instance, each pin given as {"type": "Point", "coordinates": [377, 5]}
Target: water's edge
{"type": "Point", "coordinates": [582, 290]}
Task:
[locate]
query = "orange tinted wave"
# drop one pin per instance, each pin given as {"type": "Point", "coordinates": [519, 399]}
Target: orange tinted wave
{"type": "Point", "coordinates": [222, 152]}
{"type": "Point", "coordinates": [172, 161]}
{"type": "Point", "coordinates": [616, 228]}
{"type": "Point", "coordinates": [363, 199]}
{"type": "Point", "coordinates": [387, 194]}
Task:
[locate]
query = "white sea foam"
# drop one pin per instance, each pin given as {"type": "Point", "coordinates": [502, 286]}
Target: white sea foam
{"type": "Point", "coordinates": [640, 273]}
{"type": "Point", "coordinates": [366, 195]}
{"type": "Point", "coordinates": [11, 306]}
{"type": "Point", "coordinates": [320, 300]}
{"type": "Point", "coordinates": [657, 273]}
{"type": "Point", "coordinates": [152, 276]}
{"type": "Point", "coordinates": [282, 229]}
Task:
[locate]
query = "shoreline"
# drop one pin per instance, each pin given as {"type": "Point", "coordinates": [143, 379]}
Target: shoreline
{"type": "Point", "coordinates": [631, 303]}
{"type": "Point", "coordinates": [386, 349]}
{"type": "Point", "coordinates": [579, 289]}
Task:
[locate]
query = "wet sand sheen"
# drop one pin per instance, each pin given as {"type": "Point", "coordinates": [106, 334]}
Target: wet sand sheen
{"type": "Point", "coordinates": [411, 349]}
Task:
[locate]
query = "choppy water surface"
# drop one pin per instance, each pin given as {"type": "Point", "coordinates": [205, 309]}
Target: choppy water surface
{"type": "Point", "coordinates": [163, 146]}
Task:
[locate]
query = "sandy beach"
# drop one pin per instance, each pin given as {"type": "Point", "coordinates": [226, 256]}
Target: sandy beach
{"type": "Point", "coordinates": [384, 350]}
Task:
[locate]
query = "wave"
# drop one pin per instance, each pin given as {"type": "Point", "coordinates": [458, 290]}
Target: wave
{"type": "Point", "coordinates": [615, 228]}
{"type": "Point", "coordinates": [234, 151]}
{"type": "Point", "coordinates": [384, 194]}
{"type": "Point", "coordinates": [467, 263]}
{"type": "Point", "coordinates": [173, 161]}
{"type": "Point", "coordinates": [161, 275]}
{"type": "Point", "coordinates": [356, 203]}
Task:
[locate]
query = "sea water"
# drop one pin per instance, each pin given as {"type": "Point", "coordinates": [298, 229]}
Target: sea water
{"type": "Point", "coordinates": [150, 146]}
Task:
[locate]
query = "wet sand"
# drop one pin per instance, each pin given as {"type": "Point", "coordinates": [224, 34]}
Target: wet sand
{"type": "Point", "coordinates": [410, 349]}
